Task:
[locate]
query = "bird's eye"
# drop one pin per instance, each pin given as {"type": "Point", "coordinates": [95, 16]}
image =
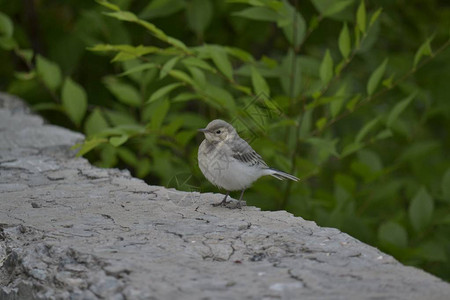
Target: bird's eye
{"type": "Point", "coordinates": [218, 131]}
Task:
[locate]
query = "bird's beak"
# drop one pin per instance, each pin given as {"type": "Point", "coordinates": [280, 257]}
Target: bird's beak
{"type": "Point", "coordinates": [202, 130]}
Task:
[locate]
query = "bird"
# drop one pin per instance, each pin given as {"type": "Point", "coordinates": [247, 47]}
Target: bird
{"type": "Point", "coordinates": [229, 162]}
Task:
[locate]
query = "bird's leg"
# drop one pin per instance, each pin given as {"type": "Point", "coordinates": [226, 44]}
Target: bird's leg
{"type": "Point", "coordinates": [224, 201]}
{"type": "Point", "coordinates": [240, 198]}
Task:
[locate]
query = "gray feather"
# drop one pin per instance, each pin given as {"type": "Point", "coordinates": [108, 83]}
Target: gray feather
{"type": "Point", "coordinates": [244, 153]}
{"type": "Point", "coordinates": [282, 175]}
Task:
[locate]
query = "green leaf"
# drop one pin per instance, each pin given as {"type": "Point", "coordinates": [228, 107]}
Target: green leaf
{"type": "Point", "coordinates": [320, 101]}
{"type": "Point", "coordinates": [198, 76]}
{"type": "Point", "coordinates": [370, 159]}
{"type": "Point", "coordinates": [128, 156]}
{"type": "Point", "coordinates": [290, 74]}
{"type": "Point", "coordinates": [108, 5]}
{"type": "Point", "coordinates": [421, 209]}
{"type": "Point", "coordinates": [357, 38]}
{"type": "Point", "coordinates": [326, 68]}
{"type": "Point", "coordinates": [324, 148]}
{"type": "Point", "coordinates": [49, 72]}
{"type": "Point", "coordinates": [6, 26]}
{"type": "Point", "coordinates": [388, 82]}
{"type": "Point", "coordinates": [338, 100]}
{"type": "Point", "coordinates": [155, 31]}
{"type": "Point", "coordinates": [260, 85]}
{"type": "Point", "coordinates": [398, 109]}
{"type": "Point", "coordinates": [123, 16]}
{"type": "Point", "coordinates": [376, 77]}
{"type": "Point", "coordinates": [244, 89]}
{"type": "Point", "coordinates": [159, 113]}
{"type": "Point", "coordinates": [336, 7]}
{"type": "Point", "coordinates": [199, 15]}
{"type": "Point", "coordinates": [433, 251]}
{"type": "Point", "coordinates": [8, 43]}
{"type": "Point", "coordinates": [250, 2]}
{"type": "Point", "coordinates": [344, 41]}
{"type": "Point", "coordinates": [329, 8]}
{"type": "Point", "coordinates": [139, 68]}
{"type": "Point", "coordinates": [161, 92]}
{"type": "Point", "coordinates": [220, 96]}
{"type": "Point", "coordinates": [143, 168]}
{"type": "Point", "coordinates": [375, 16]}
{"type": "Point", "coordinates": [125, 93]}
{"type": "Point", "coordinates": [352, 103]}
{"type": "Point", "coordinates": [445, 185]}
{"type": "Point", "coordinates": [220, 59]}
{"type": "Point", "coordinates": [351, 148]}
{"type": "Point", "coordinates": [177, 44]}
{"type": "Point", "coordinates": [362, 170]}
{"type": "Point", "coordinates": [393, 233]}
{"type": "Point", "coordinates": [108, 156]}
{"type": "Point", "coordinates": [127, 52]}
{"type": "Point", "coordinates": [26, 55]}
{"type": "Point", "coordinates": [184, 97]}
{"type": "Point", "coordinates": [119, 118]}
{"type": "Point", "coordinates": [384, 134]}
{"type": "Point", "coordinates": [74, 101]}
{"type": "Point", "coordinates": [88, 145]}
{"type": "Point", "coordinates": [366, 129]}
{"type": "Point", "coordinates": [197, 62]}
{"type": "Point", "coordinates": [295, 36]}
{"type": "Point", "coordinates": [293, 24]}
{"type": "Point", "coordinates": [133, 51]}
{"type": "Point", "coordinates": [95, 123]}
{"type": "Point", "coordinates": [419, 150]}
{"type": "Point", "coordinates": [180, 75]}
{"type": "Point", "coordinates": [116, 141]}
{"type": "Point", "coordinates": [168, 66]}
{"type": "Point", "coordinates": [320, 124]}
{"type": "Point", "coordinates": [240, 54]}
{"type": "Point", "coordinates": [305, 125]}
{"type": "Point", "coordinates": [25, 75]}
{"type": "Point", "coordinates": [258, 13]}
{"type": "Point", "coordinates": [162, 8]}
{"type": "Point", "coordinates": [361, 17]}
{"type": "Point", "coordinates": [424, 50]}
{"type": "Point", "coordinates": [184, 137]}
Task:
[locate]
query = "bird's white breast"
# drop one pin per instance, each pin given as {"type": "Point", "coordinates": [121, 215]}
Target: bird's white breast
{"type": "Point", "coordinates": [223, 170]}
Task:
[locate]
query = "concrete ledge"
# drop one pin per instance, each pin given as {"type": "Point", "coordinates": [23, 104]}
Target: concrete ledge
{"type": "Point", "coordinates": [71, 230]}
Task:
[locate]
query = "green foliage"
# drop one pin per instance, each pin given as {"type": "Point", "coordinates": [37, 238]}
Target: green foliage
{"type": "Point", "coordinates": [348, 96]}
{"type": "Point", "coordinates": [344, 41]}
{"type": "Point", "coordinates": [421, 210]}
{"type": "Point", "coordinates": [424, 50]}
{"type": "Point", "coordinates": [74, 101]}
{"type": "Point", "coordinates": [48, 72]}
{"type": "Point", "coordinates": [6, 26]}
{"type": "Point", "coordinates": [326, 68]}
{"type": "Point", "coordinates": [376, 77]}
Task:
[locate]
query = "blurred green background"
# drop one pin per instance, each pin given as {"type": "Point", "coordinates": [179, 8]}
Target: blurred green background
{"type": "Point", "coordinates": [352, 97]}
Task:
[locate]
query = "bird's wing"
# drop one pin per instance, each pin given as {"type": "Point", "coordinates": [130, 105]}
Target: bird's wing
{"type": "Point", "coordinates": [244, 153]}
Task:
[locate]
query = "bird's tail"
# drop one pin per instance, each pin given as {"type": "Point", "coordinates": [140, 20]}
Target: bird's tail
{"type": "Point", "coordinates": [282, 175]}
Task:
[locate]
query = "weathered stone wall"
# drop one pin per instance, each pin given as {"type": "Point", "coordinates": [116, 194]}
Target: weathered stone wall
{"type": "Point", "coordinates": [71, 230]}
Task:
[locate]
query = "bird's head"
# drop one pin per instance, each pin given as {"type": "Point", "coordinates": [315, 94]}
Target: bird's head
{"type": "Point", "coordinates": [218, 130]}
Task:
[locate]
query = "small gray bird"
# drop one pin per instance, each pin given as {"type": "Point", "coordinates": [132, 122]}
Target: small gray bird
{"type": "Point", "coordinates": [229, 162]}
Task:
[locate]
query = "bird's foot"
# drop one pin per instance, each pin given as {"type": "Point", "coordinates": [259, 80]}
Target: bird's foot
{"type": "Point", "coordinates": [225, 204]}
{"type": "Point", "coordinates": [222, 203]}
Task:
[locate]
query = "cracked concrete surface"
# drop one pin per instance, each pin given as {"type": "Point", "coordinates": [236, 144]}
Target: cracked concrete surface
{"type": "Point", "coordinates": [73, 231]}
